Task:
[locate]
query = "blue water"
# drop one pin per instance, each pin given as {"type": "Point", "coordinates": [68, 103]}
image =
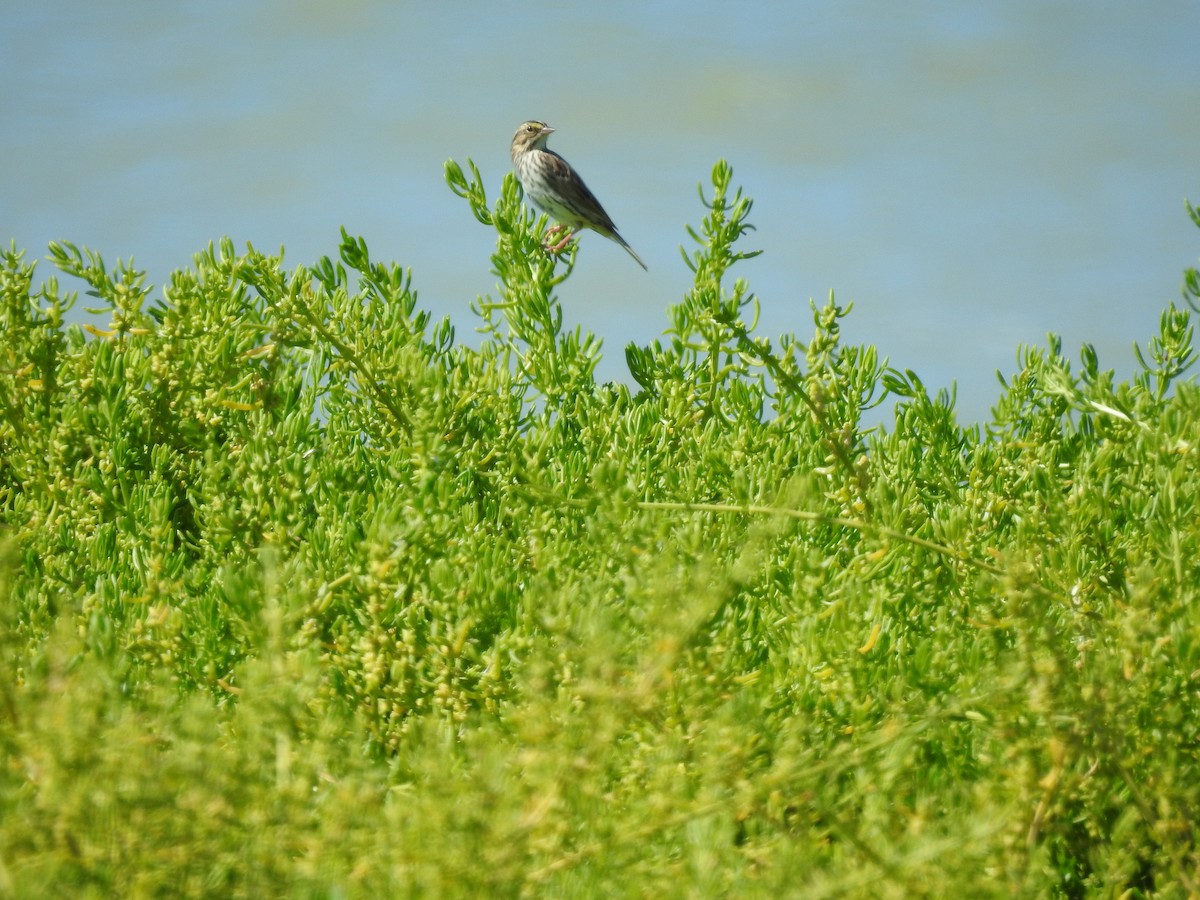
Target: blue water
{"type": "Point", "coordinates": [971, 176]}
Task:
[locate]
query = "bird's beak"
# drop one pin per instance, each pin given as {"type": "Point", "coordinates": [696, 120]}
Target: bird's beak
{"type": "Point", "coordinates": [547, 130]}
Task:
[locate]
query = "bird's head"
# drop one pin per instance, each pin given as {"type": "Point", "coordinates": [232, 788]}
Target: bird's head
{"type": "Point", "coordinates": [531, 136]}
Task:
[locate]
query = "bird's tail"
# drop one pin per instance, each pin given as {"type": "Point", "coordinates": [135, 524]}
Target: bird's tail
{"type": "Point", "coordinates": [620, 240]}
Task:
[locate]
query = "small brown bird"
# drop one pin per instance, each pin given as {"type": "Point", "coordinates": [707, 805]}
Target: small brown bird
{"type": "Point", "coordinates": [557, 190]}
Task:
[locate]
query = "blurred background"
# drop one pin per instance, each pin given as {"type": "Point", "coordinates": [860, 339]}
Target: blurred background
{"type": "Point", "coordinates": [971, 176]}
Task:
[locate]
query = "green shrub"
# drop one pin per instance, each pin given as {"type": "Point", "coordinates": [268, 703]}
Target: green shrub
{"type": "Point", "coordinates": [300, 597]}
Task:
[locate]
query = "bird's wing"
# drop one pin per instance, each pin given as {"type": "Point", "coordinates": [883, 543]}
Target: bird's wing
{"type": "Point", "coordinates": [567, 183]}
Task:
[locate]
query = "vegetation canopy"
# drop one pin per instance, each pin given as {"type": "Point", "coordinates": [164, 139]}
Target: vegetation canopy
{"type": "Point", "coordinates": [299, 596]}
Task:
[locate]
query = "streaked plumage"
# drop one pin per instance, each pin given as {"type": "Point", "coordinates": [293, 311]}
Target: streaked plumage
{"type": "Point", "coordinates": [556, 189]}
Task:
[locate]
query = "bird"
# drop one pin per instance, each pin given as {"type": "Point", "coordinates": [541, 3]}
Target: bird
{"type": "Point", "coordinates": [557, 190]}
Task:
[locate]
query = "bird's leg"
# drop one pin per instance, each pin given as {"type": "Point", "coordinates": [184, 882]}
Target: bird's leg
{"type": "Point", "coordinates": [557, 248]}
{"type": "Point", "coordinates": [555, 228]}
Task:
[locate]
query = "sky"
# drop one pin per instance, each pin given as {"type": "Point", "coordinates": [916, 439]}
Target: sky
{"type": "Point", "coordinates": [971, 176]}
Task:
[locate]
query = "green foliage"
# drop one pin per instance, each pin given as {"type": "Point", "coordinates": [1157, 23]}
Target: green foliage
{"type": "Point", "coordinates": [297, 596]}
